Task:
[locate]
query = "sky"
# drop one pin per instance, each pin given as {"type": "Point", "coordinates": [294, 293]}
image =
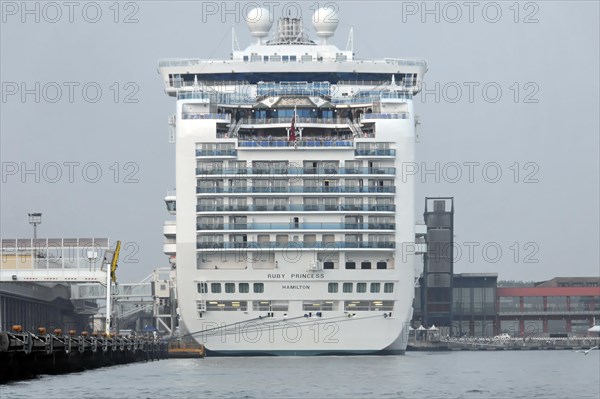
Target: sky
{"type": "Point", "coordinates": [509, 119]}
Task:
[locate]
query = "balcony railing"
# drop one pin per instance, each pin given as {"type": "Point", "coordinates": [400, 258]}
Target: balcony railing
{"type": "Point", "coordinates": [554, 310]}
{"type": "Point", "coordinates": [329, 189]}
{"type": "Point", "coordinates": [299, 120]}
{"type": "Point", "coordinates": [196, 115]}
{"type": "Point", "coordinates": [295, 245]}
{"type": "Point", "coordinates": [300, 143]}
{"type": "Point", "coordinates": [216, 153]}
{"type": "Point", "coordinates": [198, 62]}
{"type": "Point", "coordinates": [295, 208]}
{"type": "Point", "coordinates": [296, 226]}
{"type": "Point", "coordinates": [403, 115]}
{"type": "Point", "coordinates": [378, 153]}
{"type": "Point", "coordinates": [297, 171]}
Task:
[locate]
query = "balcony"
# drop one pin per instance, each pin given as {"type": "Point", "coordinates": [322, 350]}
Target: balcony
{"type": "Point", "coordinates": [296, 245]}
{"type": "Point", "coordinates": [296, 208]}
{"type": "Point", "coordinates": [296, 226]}
{"type": "Point", "coordinates": [296, 171]}
{"type": "Point", "coordinates": [169, 248]}
{"type": "Point", "coordinates": [295, 189]}
{"type": "Point", "coordinates": [170, 228]}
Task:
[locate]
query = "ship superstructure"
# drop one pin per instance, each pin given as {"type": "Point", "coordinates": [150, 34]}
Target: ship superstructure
{"type": "Point", "coordinates": [294, 229]}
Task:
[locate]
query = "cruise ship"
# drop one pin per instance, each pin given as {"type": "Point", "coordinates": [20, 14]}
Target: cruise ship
{"type": "Point", "coordinates": [294, 229]}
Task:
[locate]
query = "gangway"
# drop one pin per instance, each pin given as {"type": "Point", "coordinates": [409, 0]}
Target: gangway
{"type": "Point", "coordinates": [154, 295]}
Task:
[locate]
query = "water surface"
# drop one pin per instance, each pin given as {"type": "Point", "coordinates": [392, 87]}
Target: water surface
{"type": "Point", "coordinates": [506, 374]}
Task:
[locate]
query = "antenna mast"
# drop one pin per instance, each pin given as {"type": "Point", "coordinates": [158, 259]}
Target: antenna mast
{"type": "Point", "coordinates": [350, 43]}
{"type": "Point", "coordinates": [234, 42]}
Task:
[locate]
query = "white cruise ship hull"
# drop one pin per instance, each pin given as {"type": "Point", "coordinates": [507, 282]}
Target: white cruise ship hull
{"type": "Point", "coordinates": [336, 334]}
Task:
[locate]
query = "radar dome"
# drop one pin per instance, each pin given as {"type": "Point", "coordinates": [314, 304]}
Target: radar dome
{"type": "Point", "coordinates": [259, 22]}
{"type": "Point", "coordinates": [325, 22]}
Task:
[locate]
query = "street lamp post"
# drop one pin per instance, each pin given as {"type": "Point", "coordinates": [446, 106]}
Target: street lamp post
{"type": "Point", "coordinates": [34, 220]}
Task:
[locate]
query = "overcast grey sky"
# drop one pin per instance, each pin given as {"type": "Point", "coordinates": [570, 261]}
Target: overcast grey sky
{"type": "Point", "coordinates": [541, 132]}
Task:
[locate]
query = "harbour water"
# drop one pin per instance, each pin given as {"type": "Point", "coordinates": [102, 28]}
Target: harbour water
{"type": "Point", "coordinates": [505, 374]}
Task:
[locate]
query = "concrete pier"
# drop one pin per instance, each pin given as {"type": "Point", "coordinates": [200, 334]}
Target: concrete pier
{"type": "Point", "coordinates": [482, 344]}
{"type": "Point", "coordinates": [26, 355]}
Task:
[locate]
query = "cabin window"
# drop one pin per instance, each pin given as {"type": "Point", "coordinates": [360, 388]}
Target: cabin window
{"type": "Point", "coordinates": [361, 287]}
{"type": "Point", "coordinates": [215, 288]}
{"type": "Point", "coordinates": [244, 288]}
{"type": "Point", "coordinates": [382, 265]}
{"type": "Point", "coordinates": [350, 265]}
{"type": "Point", "coordinates": [388, 287]}
{"type": "Point", "coordinates": [365, 265]}
{"type": "Point", "coordinates": [259, 288]}
{"type": "Point", "coordinates": [332, 288]}
{"type": "Point", "coordinates": [375, 287]}
{"type": "Point", "coordinates": [229, 288]}
{"type": "Point", "coordinates": [327, 265]}
{"type": "Point", "coordinates": [347, 287]}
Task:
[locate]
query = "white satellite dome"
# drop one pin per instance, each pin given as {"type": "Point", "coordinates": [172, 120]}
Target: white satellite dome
{"type": "Point", "coordinates": [325, 22]}
{"type": "Point", "coordinates": [259, 22]}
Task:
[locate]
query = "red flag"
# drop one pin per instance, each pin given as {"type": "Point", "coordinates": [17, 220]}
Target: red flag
{"type": "Point", "coordinates": [293, 128]}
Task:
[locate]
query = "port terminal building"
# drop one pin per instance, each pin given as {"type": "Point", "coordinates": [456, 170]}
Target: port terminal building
{"type": "Point", "coordinates": [476, 305]}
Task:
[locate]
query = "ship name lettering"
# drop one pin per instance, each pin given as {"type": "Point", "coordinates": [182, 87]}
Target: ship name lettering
{"type": "Point", "coordinates": [308, 275]}
{"type": "Point", "coordinates": [295, 287]}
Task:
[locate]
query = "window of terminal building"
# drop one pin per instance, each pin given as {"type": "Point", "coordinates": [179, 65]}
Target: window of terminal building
{"type": "Point", "coordinates": [259, 288]}
{"type": "Point", "coordinates": [347, 288]}
{"type": "Point", "coordinates": [361, 287]}
{"type": "Point", "coordinates": [382, 265]}
{"type": "Point", "coordinates": [375, 288]}
{"type": "Point", "coordinates": [388, 288]}
{"type": "Point", "coordinates": [229, 288]}
{"type": "Point", "coordinates": [365, 265]}
{"type": "Point", "coordinates": [350, 265]}
{"type": "Point", "coordinates": [244, 288]}
{"type": "Point", "coordinates": [215, 288]}
{"type": "Point", "coordinates": [533, 303]}
{"type": "Point", "coordinates": [332, 288]}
